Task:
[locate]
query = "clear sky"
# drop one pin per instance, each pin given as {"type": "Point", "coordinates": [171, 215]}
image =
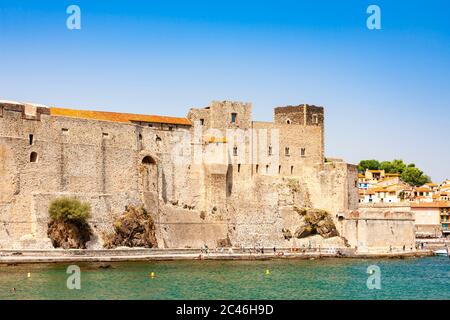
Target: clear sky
{"type": "Point", "coordinates": [386, 92]}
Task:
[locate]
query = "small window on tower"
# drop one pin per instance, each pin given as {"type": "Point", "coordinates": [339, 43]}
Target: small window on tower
{"type": "Point", "coordinates": [302, 152]}
{"type": "Point", "coordinates": [235, 151]}
{"type": "Point", "coordinates": [31, 139]}
{"type": "Point", "coordinates": [286, 151]}
{"type": "Point", "coordinates": [33, 157]}
{"type": "Point", "coordinates": [315, 118]}
{"type": "Point", "coordinates": [270, 150]}
{"type": "Point", "coordinates": [202, 122]}
{"type": "Point", "coordinates": [233, 117]}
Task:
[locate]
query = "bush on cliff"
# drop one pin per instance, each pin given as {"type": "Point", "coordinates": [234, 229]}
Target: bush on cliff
{"type": "Point", "coordinates": [68, 228]}
{"type": "Point", "coordinates": [69, 210]}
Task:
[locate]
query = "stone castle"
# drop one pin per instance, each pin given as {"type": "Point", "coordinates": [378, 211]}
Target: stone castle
{"type": "Point", "coordinates": [213, 178]}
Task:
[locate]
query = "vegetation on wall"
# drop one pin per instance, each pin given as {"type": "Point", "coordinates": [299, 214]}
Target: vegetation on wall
{"type": "Point", "coordinates": [409, 173]}
{"type": "Point", "coordinates": [69, 210]}
{"type": "Point", "coordinates": [68, 228]}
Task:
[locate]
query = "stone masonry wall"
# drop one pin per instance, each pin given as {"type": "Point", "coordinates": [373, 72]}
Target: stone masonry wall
{"type": "Point", "coordinates": [112, 165]}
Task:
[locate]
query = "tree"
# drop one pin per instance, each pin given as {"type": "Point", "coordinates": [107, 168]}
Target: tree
{"type": "Point", "coordinates": [395, 166]}
{"type": "Point", "coordinates": [368, 165]}
{"type": "Point", "coordinates": [414, 176]}
{"type": "Point", "coordinates": [69, 210]}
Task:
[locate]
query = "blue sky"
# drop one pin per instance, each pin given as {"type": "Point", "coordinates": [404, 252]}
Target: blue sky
{"type": "Point", "coordinates": [386, 92]}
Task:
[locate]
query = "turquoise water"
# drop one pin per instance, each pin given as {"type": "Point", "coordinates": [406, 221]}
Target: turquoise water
{"type": "Point", "coordinates": [416, 278]}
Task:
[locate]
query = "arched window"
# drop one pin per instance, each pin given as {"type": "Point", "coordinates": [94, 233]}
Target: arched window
{"type": "Point", "coordinates": [33, 157]}
{"type": "Point", "coordinates": [302, 152]}
{"type": "Point", "coordinates": [235, 151]}
{"type": "Point", "coordinates": [149, 174]}
{"type": "Point", "coordinates": [288, 121]}
{"type": "Point", "coordinates": [148, 160]}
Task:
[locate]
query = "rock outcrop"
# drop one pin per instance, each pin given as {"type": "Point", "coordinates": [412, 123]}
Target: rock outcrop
{"type": "Point", "coordinates": [135, 228]}
{"type": "Point", "coordinates": [69, 235]}
{"type": "Point", "coordinates": [316, 221]}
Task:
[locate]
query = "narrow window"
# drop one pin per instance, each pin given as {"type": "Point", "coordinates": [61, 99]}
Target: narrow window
{"type": "Point", "coordinates": [286, 151]}
{"type": "Point", "coordinates": [292, 169]}
{"type": "Point", "coordinates": [270, 150]}
{"type": "Point", "coordinates": [202, 122]}
{"type": "Point", "coordinates": [140, 137]}
{"type": "Point", "coordinates": [239, 167]}
{"type": "Point", "coordinates": [233, 117]}
{"type": "Point", "coordinates": [31, 139]}
{"type": "Point", "coordinates": [235, 151]}
{"type": "Point", "coordinates": [279, 169]}
{"type": "Point", "coordinates": [302, 152]}
{"type": "Point", "coordinates": [65, 130]}
{"type": "Point", "coordinates": [288, 121]}
{"type": "Point", "coordinates": [33, 157]}
{"type": "Point", "coordinates": [257, 167]}
{"type": "Point", "coordinates": [315, 118]}
{"type": "Point", "coordinates": [267, 168]}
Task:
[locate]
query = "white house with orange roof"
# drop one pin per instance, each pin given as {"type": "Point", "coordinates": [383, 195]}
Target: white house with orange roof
{"type": "Point", "coordinates": [431, 218]}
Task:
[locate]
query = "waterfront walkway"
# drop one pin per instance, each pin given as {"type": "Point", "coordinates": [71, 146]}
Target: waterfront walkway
{"type": "Point", "coordinates": [130, 254]}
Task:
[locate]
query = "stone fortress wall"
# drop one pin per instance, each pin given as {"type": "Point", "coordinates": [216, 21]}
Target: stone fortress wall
{"type": "Point", "coordinates": [215, 177]}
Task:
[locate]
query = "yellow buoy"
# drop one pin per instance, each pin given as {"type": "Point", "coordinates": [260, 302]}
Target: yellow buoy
{"type": "Point", "coordinates": [152, 275]}
{"type": "Point", "coordinates": [29, 275]}
{"type": "Point", "coordinates": [267, 272]}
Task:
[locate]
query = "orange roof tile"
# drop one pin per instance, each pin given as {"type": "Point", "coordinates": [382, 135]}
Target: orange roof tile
{"type": "Point", "coordinates": [423, 190]}
{"type": "Point", "coordinates": [434, 204]}
{"type": "Point", "coordinates": [117, 117]}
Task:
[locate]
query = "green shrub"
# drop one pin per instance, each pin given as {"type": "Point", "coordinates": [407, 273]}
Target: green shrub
{"type": "Point", "coordinates": [69, 210]}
